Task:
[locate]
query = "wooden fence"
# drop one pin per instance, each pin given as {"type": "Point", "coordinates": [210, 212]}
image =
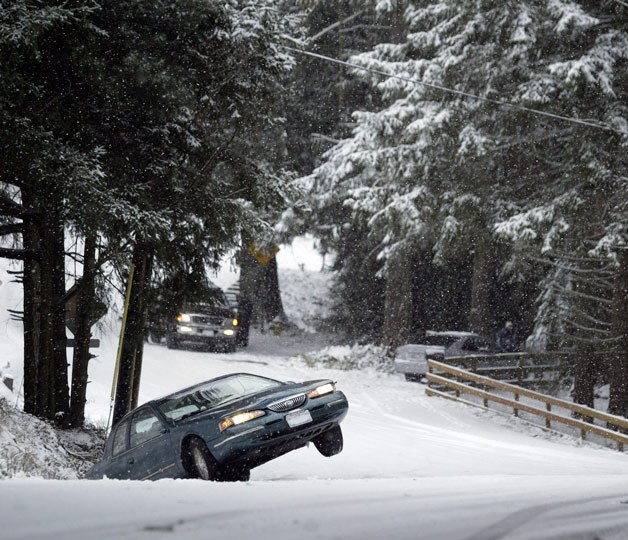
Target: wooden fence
{"type": "Point", "coordinates": [523, 369]}
{"type": "Point", "coordinates": [451, 382]}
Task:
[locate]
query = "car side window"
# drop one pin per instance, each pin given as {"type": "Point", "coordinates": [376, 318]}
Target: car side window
{"type": "Point", "coordinates": [484, 345]}
{"type": "Point", "coordinates": [144, 427]}
{"type": "Point", "coordinates": [470, 345]}
{"type": "Point", "coordinates": [119, 438]}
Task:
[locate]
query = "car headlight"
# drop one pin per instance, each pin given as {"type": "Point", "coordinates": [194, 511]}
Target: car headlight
{"type": "Point", "coordinates": [185, 328]}
{"type": "Point", "coordinates": [321, 390]}
{"type": "Point", "coordinates": [228, 332]}
{"type": "Point", "coordinates": [183, 317]}
{"type": "Point", "coordinates": [239, 418]}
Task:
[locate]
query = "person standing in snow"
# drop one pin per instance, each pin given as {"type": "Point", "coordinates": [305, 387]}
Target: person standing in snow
{"type": "Point", "coordinates": [506, 338]}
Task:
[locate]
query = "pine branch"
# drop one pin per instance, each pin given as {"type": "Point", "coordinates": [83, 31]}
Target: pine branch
{"type": "Point", "coordinates": [332, 27]}
{"type": "Point", "coordinates": [11, 228]}
{"type": "Point", "coordinates": [587, 328]}
{"type": "Point", "coordinates": [606, 271]}
{"type": "Point", "coordinates": [9, 207]}
{"type": "Point", "coordinates": [20, 254]}
{"type": "Point", "coordinates": [365, 26]}
{"type": "Point", "coordinates": [591, 341]}
{"type": "Point", "coordinates": [597, 283]}
{"type": "Point", "coordinates": [324, 138]}
{"type": "Point", "coordinates": [571, 292]}
{"type": "Point", "coordinates": [588, 317]}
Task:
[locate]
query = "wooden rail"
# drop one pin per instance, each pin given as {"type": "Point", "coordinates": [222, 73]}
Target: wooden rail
{"type": "Point", "coordinates": [521, 365]}
{"type": "Point", "coordinates": [466, 382]}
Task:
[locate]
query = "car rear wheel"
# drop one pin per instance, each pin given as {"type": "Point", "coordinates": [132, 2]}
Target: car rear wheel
{"type": "Point", "coordinates": [200, 461]}
{"type": "Point", "coordinates": [330, 442]}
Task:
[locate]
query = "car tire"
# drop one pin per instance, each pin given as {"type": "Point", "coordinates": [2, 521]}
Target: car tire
{"type": "Point", "coordinates": [412, 378]}
{"type": "Point", "coordinates": [171, 342]}
{"type": "Point", "coordinates": [235, 474]}
{"type": "Point", "coordinates": [329, 443]}
{"type": "Point", "coordinates": [201, 464]}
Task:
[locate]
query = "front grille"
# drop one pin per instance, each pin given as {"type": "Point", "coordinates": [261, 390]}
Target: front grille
{"type": "Point", "coordinates": [205, 319]}
{"type": "Point", "coordinates": [287, 403]}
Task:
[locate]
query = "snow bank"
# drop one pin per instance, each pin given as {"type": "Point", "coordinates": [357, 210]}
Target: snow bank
{"type": "Point", "coordinates": [358, 357]}
{"type": "Point", "coordinates": [30, 447]}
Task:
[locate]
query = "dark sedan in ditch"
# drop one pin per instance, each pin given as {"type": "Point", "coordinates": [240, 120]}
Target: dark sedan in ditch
{"type": "Point", "coordinates": [222, 428]}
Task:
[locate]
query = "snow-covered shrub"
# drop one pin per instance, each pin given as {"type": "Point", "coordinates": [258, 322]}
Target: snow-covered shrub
{"type": "Point", "coordinates": [355, 357]}
{"type": "Point", "coordinates": [29, 447]}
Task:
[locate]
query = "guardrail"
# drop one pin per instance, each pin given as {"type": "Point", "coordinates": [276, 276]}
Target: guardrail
{"type": "Point", "coordinates": [442, 376]}
{"type": "Point", "coordinates": [518, 366]}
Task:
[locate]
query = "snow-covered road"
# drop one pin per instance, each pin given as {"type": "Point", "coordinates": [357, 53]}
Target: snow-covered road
{"type": "Point", "coordinates": [412, 467]}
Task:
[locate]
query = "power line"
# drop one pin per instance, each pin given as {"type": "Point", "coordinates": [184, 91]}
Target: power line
{"type": "Point", "coordinates": [460, 92]}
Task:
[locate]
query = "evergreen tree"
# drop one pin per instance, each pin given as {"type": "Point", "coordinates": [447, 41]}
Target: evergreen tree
{"type": "Point", "coordinates": [442, 169]}
{"type": "Point", "coordinates": [130, 124]}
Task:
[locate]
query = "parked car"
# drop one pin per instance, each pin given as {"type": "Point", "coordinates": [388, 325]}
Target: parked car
{"type": "Point", "coordinates": [213, 324]}
{"type": "Point", "coordinates": [411, 359]}
{"type": "Point", "coordinates": [222, 428]}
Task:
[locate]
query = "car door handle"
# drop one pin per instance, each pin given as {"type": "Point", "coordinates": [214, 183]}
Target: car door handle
{"type": "Point", "coordinates": [130, 461]}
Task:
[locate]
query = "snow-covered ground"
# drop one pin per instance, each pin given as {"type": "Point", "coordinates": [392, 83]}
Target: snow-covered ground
{"type": "Point", "coordinates": [412, 467]}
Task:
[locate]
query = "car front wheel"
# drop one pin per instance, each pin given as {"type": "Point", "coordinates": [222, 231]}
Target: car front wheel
{"type": "Point", "coordinates": [171, 342]}
{"type": "Point", "coordinates": [330, 442]}
{"type": "Point", "coordinates": [201, 463]}
{"type": "Point", "coordinates": [235, 474]}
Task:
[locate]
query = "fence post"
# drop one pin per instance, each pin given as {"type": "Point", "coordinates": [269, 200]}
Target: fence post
{"type": "Point", "coordinates": [519, 371]}
{"type": "Point", "coordinates": [515, 410]}
{"type": "Point", "coordinates": [548, 424]}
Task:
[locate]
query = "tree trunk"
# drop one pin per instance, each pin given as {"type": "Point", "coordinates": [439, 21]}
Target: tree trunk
{"type": "Point", "coordinates": [274, 305]}
{"type": "Point", "coordinates": [127, 384]}
{"type": "Point", "coordinates": [46, 390]}
{"type": "Point", "coordinates": [83, 334]}
{"type": "Point", "coordinates": [484, 263]}
{"type": "Point", "coordinates": [32, 298]}
{"type": "Point", "coordinates": [146, 275]}
{"type": "Point", "coordinates": [53, 319]}
{"type": "Point", "coordinates": [253, 284]}
{"type": "Point", "coordinates": [398, 299]}
{"type": "Point", "coordinates": [618, 375]}
{"type": "Point", "coordinates": [584, 377]}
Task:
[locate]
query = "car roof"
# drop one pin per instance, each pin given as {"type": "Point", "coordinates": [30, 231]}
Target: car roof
{"type": "Point", "coordinates": [451, 333]}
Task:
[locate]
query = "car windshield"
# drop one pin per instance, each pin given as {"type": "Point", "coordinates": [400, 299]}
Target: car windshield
{"type": "Point", "coordinates": [217, 300]}
{"type": "Point", "coordinates": [442, 341]}
{"type": "Point", "coordinates": [200, 398]}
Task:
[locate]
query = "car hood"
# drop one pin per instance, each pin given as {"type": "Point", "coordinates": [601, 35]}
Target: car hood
{"type": "Point", "coordinates": [256, 401]}
{"type": "Point", "coordinates": [213, 312]}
